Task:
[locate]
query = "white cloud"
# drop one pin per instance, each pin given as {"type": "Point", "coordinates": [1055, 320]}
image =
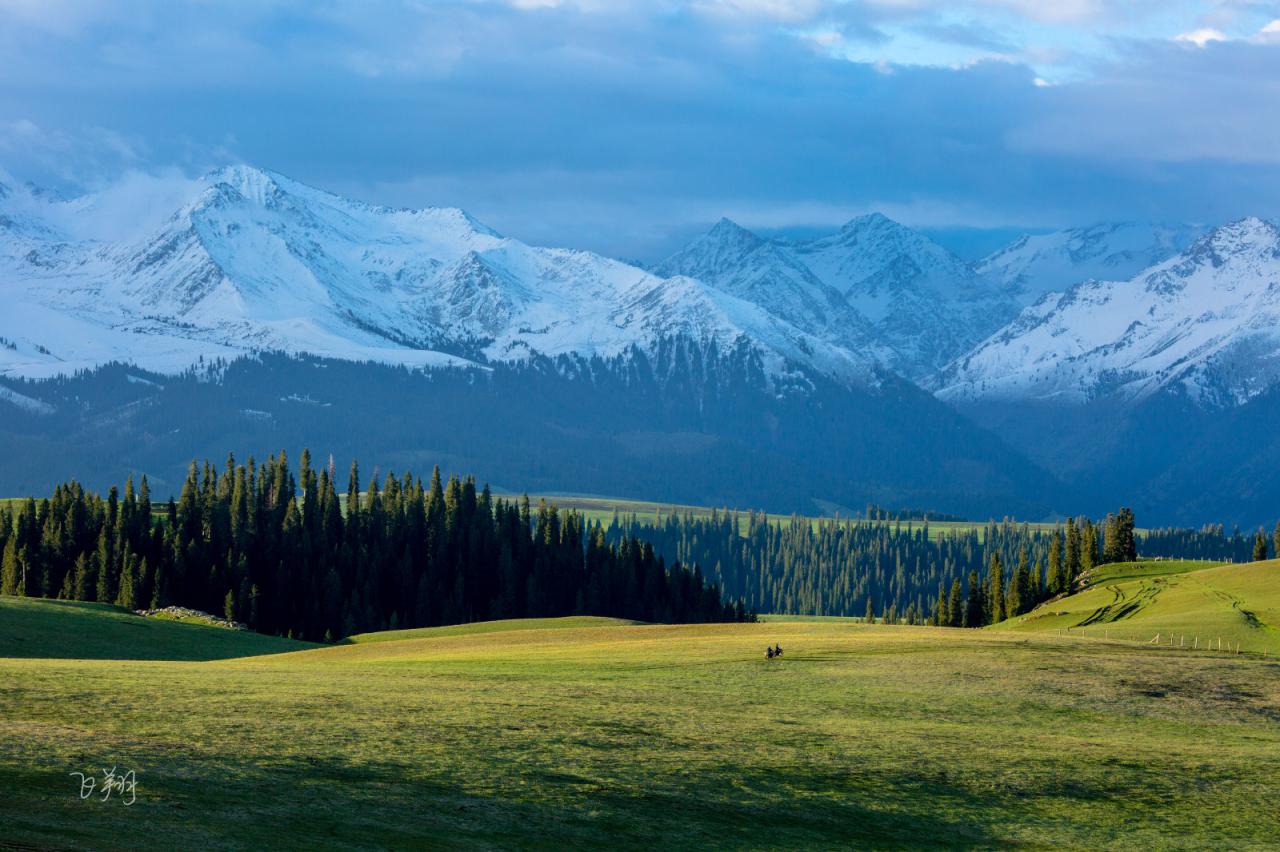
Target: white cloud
{"type": "Point", "coordinates": [1201, 37]}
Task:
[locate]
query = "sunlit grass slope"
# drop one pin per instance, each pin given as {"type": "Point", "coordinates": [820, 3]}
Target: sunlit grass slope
{"type": "Point", "coordinates": [32, 627]}
{"type": "Point", "coordinates": [648, 736]}
{"type": "Point", "coordinates": [478, 627]}
{"type": "Point", "coordinates": [1237, 604]}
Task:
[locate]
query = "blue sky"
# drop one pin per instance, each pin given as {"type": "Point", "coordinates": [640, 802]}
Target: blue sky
{"type": "Point", "coordinates": [628, 126]}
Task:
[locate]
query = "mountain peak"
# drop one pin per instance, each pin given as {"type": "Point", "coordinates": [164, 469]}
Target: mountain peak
{"type": "Point", "coordinates": [873, 220]}
{"type": "Point", "coordinates": [1248, 236]}
{"type": "Point", "coordinates": [1250, 228]}
{"type": "Point", "coordinates": [254, 184]}
{"type": "Point", "coordinates": [728, 230]}
{"type": "Point", "coordinates": [723, 247]}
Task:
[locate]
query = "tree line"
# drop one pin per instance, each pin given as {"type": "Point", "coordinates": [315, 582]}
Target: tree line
{"type": "Point", "coordinates": [294, 556]}
{"type": "Point", "coordinates": [301, 558]}
{"type": "Point", "coordinates": [838, 567]}
{"type": "Point", "coordinates": [896, 572]}
{"type": "Point", "coordinates": [1212, 541]}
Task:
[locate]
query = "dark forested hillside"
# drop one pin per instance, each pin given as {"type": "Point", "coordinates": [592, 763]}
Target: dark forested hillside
{"type": "Point", "coordinates": [689, 425]}
{"type": "Point", "coordinates": [1174, 460]}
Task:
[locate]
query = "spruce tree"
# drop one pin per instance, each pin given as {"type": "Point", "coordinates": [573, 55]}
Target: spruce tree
{"type": "Point", "coordinates": [975, 609]}
{"type": "Point", "coordinates": [1088, 550]}
{"type": "Point", "coordinates": [955, 606]}
{"type": "Point", "coordinates": [995, 589]}
{"type": "Point", "coordinates": [1070, 568]}
{"type": "Point", "coordinates": [1127, 544]}
{"type": "Point", "coordinates": [1110, 540]}
{"type": "Point", "coordinates": [1057, 580]}
{"type": "Point", "coordinates": [125, 597]}
{"type": "Point", "coordinates": [10, 570]}
{"type": "Point", "coordinates": [1017, 596]}
{"type": "Point", "coordinates": [1260, 546]}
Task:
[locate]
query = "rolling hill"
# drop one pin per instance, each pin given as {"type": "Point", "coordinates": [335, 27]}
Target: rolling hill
{"type": "Point", "coordinates": [45, 629]}
{"type": "Point", "coordinates": [1194, 603]}
{"type": "Point", "coordinates": [631, 735]}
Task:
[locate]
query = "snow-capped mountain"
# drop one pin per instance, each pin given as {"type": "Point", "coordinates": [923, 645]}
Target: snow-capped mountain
{"type": "Point", "coordinates": [1205, 322]}
{"type": "Point", "coordinates": [740, 263]}
{"type": "Point", "coordinates": [875, 285]}
{"type": "Point", "coordinates": [255, 261]}
{"type": "Point", "coordinates": [1034, 265]}
{"type": "Point", "coordinates": [927, 304]}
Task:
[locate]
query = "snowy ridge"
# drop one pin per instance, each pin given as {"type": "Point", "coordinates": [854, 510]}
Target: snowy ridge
{"type": "Point", "coordinates": [1205, 322]}
{"type": "Point", "coordinates": [1032, 266]}
{"type": "Point", "coordinates": [243, 261]}
{"type": "Point", "coordinates": [875, 286]}
{"type": "Point", "coordinates": [254, 261]}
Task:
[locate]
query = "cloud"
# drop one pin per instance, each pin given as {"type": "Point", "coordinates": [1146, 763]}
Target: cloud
{"type": "Point", "coordinates": [1201, 37]}
{"type": "Point", "coordinates": [620, 125]}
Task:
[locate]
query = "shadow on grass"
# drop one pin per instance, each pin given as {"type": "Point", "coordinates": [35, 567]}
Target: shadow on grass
{"type": "Point", "coordinates": [326, 803]}
{"type": "Point", "coordinates": [35, 628]}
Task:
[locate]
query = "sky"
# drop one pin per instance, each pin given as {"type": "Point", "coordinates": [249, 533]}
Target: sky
{"type": "Point", "coordinates": [627, 127]}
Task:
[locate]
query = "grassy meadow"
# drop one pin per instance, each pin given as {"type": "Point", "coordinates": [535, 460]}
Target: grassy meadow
{"type": "Point", "coordinates": [1192, 603]}
{"type": "Point", "coordinates": [603, 733]}
{"type": "Point", "coordinates": [603, 508]}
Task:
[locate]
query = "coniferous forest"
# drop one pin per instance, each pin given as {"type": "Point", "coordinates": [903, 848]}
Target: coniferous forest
{"type": "Point", "coordinates": [892, 571]}
{"type": "Point", "coordinates": [901, 571]}
{"type": "Point", "coordinates": [295, 557]}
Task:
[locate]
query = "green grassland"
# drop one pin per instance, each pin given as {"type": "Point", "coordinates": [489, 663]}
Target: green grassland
{"type": "Point", "coordinates": [31, 627]}
{"type": "Point", "coordinates": [565, 623]}
{"type": "Point", "coordinates": [603, 508]}
{"type": "Point", "coordinates": [623, 736]}
{"type": "Point", "coordinates": [1195, 603]}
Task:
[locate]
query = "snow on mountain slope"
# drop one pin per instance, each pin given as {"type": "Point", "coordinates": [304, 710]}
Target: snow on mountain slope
{"type": "Point", "coordinates": [1205, 322]}
{"type": "Point", "coordinates": [927, 305]}
{"type": "Point", "coordinates": [740, 263]}
{"type": "Point", "coordinates": [1034, 265]}
{"type": "Point", "coordinates": [254, 261]}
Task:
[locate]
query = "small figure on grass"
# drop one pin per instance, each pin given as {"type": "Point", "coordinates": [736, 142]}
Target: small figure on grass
{"type": "Point", "coordinates": [768, 652]}
{"type": "Point", "coordinates": [777, 650]}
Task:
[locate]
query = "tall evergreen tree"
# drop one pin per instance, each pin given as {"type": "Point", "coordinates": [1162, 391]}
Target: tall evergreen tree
{"type": "Point", "coordinates": [1058, 578]}
{"type": "Point", "coordinates": [995, 589]}
{"type": "Point", "coordinates": [975, 609]}
{"type": "Point", "coordinates": [956, 605]}
{"type": "Point", "coordinates": [1088, 548]}
{"type": "Point", "coordinates": [1070, 567]}
{"type": "Point", "coordinates": [1260, 546]}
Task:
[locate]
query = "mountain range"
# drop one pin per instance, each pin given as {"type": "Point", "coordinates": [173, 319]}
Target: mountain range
{"type": "Point", "coordinates": [875, 321]}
